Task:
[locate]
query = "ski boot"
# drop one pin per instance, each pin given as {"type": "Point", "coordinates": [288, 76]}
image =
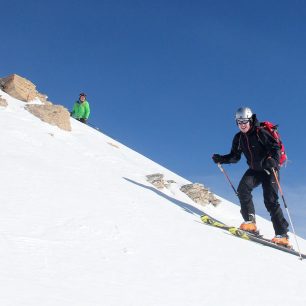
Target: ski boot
{"type": "Point", "coordinates": [250, 227]}
{"type": "Point", "coordinates": [282, 240]}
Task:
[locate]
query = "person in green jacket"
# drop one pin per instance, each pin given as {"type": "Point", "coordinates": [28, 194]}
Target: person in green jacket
{"type": "Point", "coordinates": [81, 109]}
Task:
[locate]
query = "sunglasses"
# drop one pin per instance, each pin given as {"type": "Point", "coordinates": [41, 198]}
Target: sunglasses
{"type": "Point", "coordinates": [243, 121]}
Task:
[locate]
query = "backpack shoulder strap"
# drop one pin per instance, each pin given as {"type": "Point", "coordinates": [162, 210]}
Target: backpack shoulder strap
{"type": "Point", "coordinates": [259, 128]}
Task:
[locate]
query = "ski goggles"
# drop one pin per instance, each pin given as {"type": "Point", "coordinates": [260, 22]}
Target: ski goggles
{"type": "Point", "coordinates": [242, 121]}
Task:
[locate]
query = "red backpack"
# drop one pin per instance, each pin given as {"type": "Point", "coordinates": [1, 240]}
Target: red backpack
{"type": "Point", "coordinates": [272, 129]}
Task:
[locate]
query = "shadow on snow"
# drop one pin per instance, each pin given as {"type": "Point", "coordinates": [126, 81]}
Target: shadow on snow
{"type": "Point", "coordinates": [186, 207]}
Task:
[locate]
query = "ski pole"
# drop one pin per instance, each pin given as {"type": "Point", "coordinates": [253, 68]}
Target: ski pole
{"type": "Point", "coordinates": [94, 127]}
{"type": "Point", "coordinates": [223, 171]}
{"type": "Point", "coordinates": [285, 204]}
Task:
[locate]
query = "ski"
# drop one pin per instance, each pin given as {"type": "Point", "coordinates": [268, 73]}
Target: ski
{"type": "Point", "coordinates": [248, 236]}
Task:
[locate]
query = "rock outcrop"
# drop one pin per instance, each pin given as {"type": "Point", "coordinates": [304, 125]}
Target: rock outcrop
{"type": "Point", "coordinates": [21, 88]}
{"type": "Point", "coordinates": [3, 102]}
{"type": "Point", "coordinates": [24, 90]}
{"type": "Point", "coordinates": [157, 180]}
{"type": "Point", "coordinates": [52, 114]}
{"type": "Point", "coordinates": [199, 194]}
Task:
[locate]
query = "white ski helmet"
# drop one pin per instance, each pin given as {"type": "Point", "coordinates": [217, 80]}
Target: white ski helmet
{"type": "Point", "coordinates": [243, 113]}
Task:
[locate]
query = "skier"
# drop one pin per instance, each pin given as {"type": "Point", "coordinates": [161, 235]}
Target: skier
{"type": "Point", "coordinates": [262, 153]}
{"type": "Point", "coordinates": [81, 109]}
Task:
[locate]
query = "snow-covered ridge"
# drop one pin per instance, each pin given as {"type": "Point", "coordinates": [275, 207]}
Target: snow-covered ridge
{"type": "Point", "coordinates": [80, 225]}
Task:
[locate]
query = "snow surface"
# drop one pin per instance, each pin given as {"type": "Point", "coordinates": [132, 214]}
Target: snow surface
{"type": "Point", "coordinates": [81, 226]}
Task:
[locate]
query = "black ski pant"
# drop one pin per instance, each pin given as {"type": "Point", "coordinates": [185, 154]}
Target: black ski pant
{"type": "Point", "coordinates": [83, 120]}
{"type": "Point", "coordinates": [249, 181]}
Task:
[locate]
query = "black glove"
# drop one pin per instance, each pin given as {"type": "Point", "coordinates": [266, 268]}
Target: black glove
{"type": "Point", "coordinates": [83, 120]}
{"type": "Point", "coordinates": [218, 159]}
{"type": "Point", "coordinates": [270, 163]}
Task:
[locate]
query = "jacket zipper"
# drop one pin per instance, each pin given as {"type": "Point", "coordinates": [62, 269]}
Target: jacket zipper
{"type": "Point", "coordinates": [251, 155]}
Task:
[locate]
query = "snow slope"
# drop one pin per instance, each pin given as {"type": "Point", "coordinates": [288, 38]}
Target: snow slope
{"type": "Point", "coordinates": [80, 226]}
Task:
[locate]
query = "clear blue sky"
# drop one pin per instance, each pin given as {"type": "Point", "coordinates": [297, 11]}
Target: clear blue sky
{"type": "Point", "coordinates": [165, 77]}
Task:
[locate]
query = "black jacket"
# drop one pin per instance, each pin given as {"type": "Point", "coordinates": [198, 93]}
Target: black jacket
{"type": "Point", "coordinates": [257, 145]}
